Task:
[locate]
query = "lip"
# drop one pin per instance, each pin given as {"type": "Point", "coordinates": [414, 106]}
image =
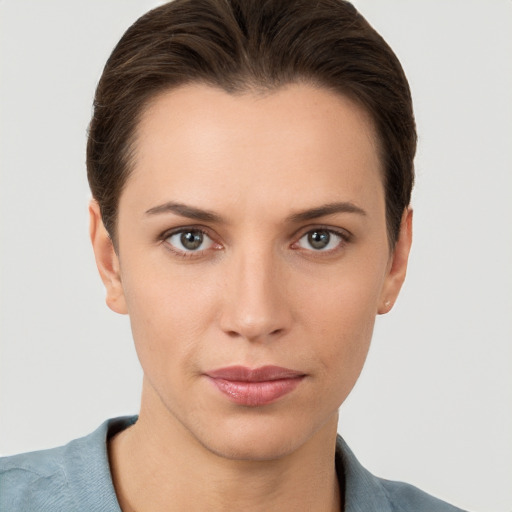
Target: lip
{"type": "Point", "coordinates": [255, 386]}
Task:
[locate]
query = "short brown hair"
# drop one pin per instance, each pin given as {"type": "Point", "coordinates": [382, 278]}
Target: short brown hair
{"type": "Point", "coordinates": [239, 45]}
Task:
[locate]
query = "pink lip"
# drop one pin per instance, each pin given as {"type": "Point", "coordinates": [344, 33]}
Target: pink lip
{"type": "Point", "coordinates": [253, 387]}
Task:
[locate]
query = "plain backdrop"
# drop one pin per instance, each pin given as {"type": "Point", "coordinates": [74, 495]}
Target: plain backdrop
{"type": "Point", "coordinates": [434, 404]}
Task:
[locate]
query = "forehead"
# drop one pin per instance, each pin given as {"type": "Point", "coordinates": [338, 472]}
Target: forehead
{"type": "Point", "coordinates": [299, 140]}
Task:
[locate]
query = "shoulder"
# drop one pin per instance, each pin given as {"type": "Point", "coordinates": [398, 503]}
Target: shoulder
{"type": "Point", "coordinates": [34, 481]}
{"type": "Point", "coordinates": [67, 478]}
{"type": "Point", "coordinates": [364, 491]}
{"type": "Point", "coordinates": [405, 497]}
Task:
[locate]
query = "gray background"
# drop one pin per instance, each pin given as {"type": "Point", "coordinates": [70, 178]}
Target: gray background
{"type": "Point", "coordinates": [433, 406]}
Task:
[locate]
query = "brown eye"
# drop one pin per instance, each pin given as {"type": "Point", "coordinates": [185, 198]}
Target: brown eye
{"type": "Point", "coordinates": [190, 240]}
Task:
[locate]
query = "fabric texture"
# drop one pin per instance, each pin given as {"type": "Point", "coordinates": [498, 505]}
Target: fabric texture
{"type": "Point", "coordinates": [76, 478]}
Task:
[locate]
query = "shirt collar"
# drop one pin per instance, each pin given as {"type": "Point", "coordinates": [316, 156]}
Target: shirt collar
{"type": "Point", "coordinates": [363, 491]}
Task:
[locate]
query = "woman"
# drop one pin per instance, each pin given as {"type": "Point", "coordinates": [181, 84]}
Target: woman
{"type": "Point", "coordinates": [251, 165]}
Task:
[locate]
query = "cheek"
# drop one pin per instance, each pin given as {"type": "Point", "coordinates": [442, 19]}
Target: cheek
{"type": "Point", "coordinates": [341, 318]}
{"type": "Point", "coordinates": [169, 316]}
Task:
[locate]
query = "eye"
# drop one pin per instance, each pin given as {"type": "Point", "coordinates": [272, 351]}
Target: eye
{"type": "Point", "coordinates": [320, 240]}
{"type": "Point", "coordinates": [189, 240]}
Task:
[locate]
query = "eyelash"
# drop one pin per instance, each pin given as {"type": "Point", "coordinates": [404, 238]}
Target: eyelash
{"type": "Point", "coordinates": [344, 238]}
{"type": "Point", "coordinates": [187, 229]}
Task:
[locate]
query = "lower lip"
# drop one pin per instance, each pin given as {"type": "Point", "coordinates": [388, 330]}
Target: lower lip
{"type": "Point", "coordinates": [256, 393]}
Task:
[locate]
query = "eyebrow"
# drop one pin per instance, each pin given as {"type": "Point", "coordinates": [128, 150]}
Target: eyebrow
{"type": "Point", "coordinates": [192, 212]}
{"type": "Point", "coordinates": [184, 210]}
{"type": "Point", "coordinates": [324, 210]}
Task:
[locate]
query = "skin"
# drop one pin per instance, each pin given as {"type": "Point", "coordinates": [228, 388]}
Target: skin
{"type": "Point", "coordinates": [256, 293]}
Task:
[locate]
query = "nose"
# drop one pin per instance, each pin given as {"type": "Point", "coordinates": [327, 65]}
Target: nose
{"type": "Point", "coordinates": [255, 305]}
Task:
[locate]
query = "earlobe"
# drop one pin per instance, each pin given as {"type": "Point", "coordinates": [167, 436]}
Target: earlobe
{"type": "Point", "coordinates": [398, 265]}
{"type": "Point", "coordinates": [107, 260]}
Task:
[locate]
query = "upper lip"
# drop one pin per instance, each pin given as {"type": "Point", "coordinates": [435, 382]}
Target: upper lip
{"type": "Point", "coordinates": [261, 374]}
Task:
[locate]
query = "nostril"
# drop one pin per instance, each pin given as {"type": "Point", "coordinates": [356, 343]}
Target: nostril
{"type": "Point", "coordinates": [254, 336]}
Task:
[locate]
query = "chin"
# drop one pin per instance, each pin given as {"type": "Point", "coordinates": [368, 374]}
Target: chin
{"type": "Point", "coordinates": [258, 437]}
{"type": "Point", "coordinates": [252, 448]}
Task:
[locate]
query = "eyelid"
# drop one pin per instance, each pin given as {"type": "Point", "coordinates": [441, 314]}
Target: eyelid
{"type": "Point", "coordinates": [342, 232]}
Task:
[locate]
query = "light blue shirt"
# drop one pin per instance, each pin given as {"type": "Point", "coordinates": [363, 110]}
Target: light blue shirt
{"type": "Point", "coordinates": [76, 478]}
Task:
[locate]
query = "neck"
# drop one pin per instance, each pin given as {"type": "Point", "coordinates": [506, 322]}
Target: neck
{"type": "Point", "coordinates": [158, 465]}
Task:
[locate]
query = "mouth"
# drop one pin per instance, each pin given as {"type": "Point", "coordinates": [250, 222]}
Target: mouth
{"type": "Point", "coordinates": [257, 386]}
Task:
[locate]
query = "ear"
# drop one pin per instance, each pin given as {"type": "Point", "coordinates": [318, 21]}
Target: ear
{"type": "Point", "coordinates": [107, 260]}
{"type": "Point", "coordinates": [397, 267]}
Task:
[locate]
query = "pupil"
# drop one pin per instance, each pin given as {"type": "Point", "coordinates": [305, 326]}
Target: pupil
{"type": "Point", "coordinates": [319, 239]}
{"type": "Point", "coordinates": [192, 240]}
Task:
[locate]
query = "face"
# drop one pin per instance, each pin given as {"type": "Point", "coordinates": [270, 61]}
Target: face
{"type": "Point", "coordinates": [252, 260]}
